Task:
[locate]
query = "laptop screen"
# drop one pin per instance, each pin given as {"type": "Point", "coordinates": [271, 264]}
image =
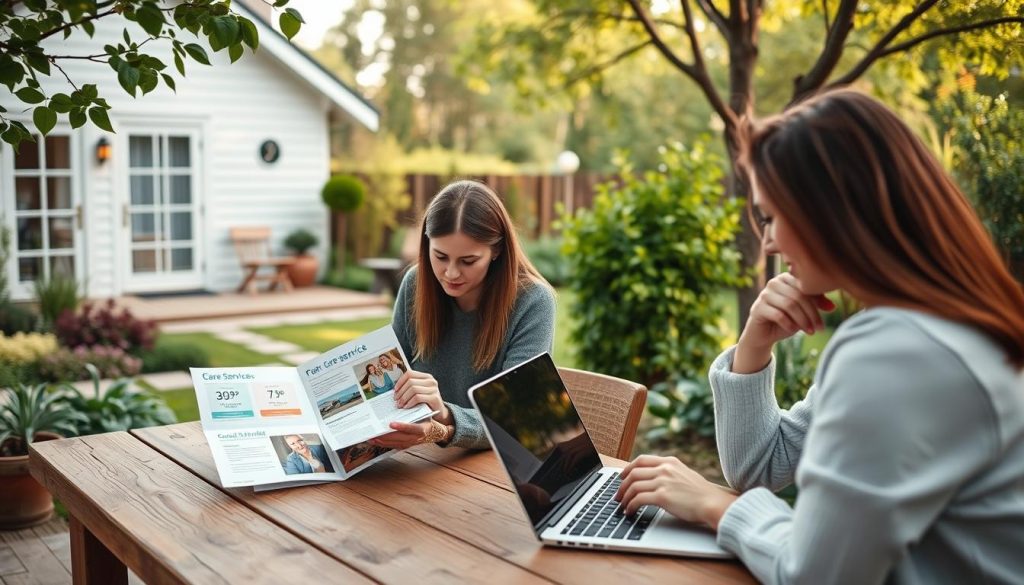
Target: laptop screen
{"type": "Point", "coordinates": [537, 434]}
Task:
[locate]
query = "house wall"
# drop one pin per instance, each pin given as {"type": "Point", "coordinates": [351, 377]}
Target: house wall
{"type": "Point", "coordinates": [235, 107]}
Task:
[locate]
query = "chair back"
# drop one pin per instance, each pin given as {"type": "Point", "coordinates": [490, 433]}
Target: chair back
{"type": "Point", "coordinates": [252, 244]}
{"type": "Point", "coordinates": [610, 408]}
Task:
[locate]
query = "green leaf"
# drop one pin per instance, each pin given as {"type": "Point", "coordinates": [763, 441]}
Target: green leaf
{"type": "Point", "coordinates": [89, 91]}
{"type": "Point", "coordinates": [150, 18]}
{"type": "Point", "coordinates": [99, 117]}
{"type": "Point", "coordinates": [61, 103]}
{"type": "Point", "coordinates": [128, 77]}
{"type": "Point", "coordinates": [295, 13]}
{"type": "Point", "coordinates": [77, 117]}
{"type": "Point", "coordinates": [89, 28]}
{"type": "Point", "coordinates": [45, 119]}
{"type": "Point", "coordinates": [38, 62]}
{"type": "Point", "coordinates": [225, 28]}
{"type": "Point", "coordinates": [169, 81]}
{"type": "Point", "coordinates": [127, 39]}
{"type": "Point", "coordinates": [11, 72]}
{"type": "Point", "coordinates": [148, 80]}
{"type": "Point", "coordinates": [289, 25]}
{"type": "Point", "coordinates": [198, 53]}
{"type": "Point", "coordinates": [30, 95]}
{"type": "Point", "coordinates": [235, 52]}
{"type": "Point", "coordinates": [179, 64]}
{"type": "Point", "coordinates": [250, 35]}
{"type": "Point", "coordinates": [280, 3]}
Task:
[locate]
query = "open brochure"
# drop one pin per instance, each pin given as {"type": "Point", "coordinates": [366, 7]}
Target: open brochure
{"type": "Point", "coordinates": [272, 427]}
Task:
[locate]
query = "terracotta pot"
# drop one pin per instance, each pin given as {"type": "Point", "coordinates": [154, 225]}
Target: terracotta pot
{"type": "Point", "coordinates": [25, 503]}
{"type": "Point", "coordinates": [303, 271]}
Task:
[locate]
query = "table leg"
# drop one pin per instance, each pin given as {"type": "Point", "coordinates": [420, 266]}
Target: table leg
{"type": "Point", "coordinates": [92, 563]}
{"type": "Point", "coordinates": [248, 281]}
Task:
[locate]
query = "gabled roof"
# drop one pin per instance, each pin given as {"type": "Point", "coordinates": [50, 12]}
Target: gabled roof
{"type": "Point", "coordinates": [312, 71]}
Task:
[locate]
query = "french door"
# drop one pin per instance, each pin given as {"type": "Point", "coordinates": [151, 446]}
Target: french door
{"type": "Point", "coordinates": [160, 211]}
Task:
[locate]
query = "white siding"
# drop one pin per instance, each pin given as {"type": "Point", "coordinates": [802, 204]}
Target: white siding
{"type": "Point", "coordinates": [236, 107]}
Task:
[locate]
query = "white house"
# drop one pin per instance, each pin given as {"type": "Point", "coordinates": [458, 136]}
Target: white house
{"type": "Point", "coordinates": [183, 169]}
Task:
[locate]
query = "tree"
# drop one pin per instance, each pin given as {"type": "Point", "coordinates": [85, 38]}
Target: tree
{"type": "Point", "coordinates": [26, 24]}
{"type": "Point", "coordinates": [557, 44]}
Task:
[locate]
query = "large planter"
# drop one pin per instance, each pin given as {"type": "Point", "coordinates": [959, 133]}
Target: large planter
{"type": "Point", "coordinates": [303, 271]}
{"type": "Point", "coordinates": [24, 503]}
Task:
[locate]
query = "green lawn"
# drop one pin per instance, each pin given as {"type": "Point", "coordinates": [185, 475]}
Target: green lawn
{"type": "Point", "coordinates": [320, 337]}
{"type": "Point", "coordinates": [222, 354]}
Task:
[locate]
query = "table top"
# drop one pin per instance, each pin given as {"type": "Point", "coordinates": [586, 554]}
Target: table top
{"type": "Point", "coordinates": [432, 514]}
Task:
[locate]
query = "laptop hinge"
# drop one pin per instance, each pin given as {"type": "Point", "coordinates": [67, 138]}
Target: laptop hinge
{"type": "Point", "coordinates": [555, 516]}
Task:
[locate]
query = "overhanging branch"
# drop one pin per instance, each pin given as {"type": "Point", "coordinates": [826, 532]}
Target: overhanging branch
{"type": "Point", "coordinates": [715, 16]}
{"type": "Point", "coordinates": [830, 54]}
{"type": "Point", "coordinates": [953, 30]}
{"type": "Point", "coordinates": [607, 64]}
{"type": "Point", "coordinates": [876, 52]}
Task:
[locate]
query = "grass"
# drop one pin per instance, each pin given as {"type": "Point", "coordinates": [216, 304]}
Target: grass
{"type": "Point", "coordinates": [223, 354]}
{"type": "Point", "coordinates": [183, 403]}
{"type": "Point", "coordinates": [320, 337]}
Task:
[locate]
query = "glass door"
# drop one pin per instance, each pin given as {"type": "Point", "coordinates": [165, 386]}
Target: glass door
{"type": "Point", "coordinates": [161, 211]}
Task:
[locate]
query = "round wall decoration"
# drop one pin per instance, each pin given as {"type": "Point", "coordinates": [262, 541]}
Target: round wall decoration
{"type": "Point", "coordinates": [270, 151]}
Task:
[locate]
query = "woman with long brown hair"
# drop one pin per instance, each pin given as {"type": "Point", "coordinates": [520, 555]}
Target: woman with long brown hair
{"type": "Point", "coordinates": [908, 450]}
{"type": "Point", "coordinates": [473, 306]}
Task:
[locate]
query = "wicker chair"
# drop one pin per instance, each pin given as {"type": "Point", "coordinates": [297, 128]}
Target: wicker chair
{"type": "Point", "coordinates": [610, 408]}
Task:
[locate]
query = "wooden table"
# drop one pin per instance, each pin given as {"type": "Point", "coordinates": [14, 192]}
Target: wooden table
{"type": "Point", "coordinates": [150, 500]}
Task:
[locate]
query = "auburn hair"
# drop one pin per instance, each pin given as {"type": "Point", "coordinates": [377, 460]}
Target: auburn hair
{"type": "Point", "coordinates": [473, 209]}
{"type": "Point", "coordinates": [868, 198]}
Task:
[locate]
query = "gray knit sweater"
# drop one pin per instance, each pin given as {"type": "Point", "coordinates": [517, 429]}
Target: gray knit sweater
{"type": "Point", "coordinates": [908, 453]}
{"type": "Point", "coordinates": [530, 332]}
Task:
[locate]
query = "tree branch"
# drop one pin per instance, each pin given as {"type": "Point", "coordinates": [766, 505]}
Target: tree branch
{"type": "Point", "coordinates": [876, 52]}
{"type": "Point", "coordinates": [607, 64]}
{"type": "Point", "coordinates": [69, 25]}
{"type": "Point", "coordinates": [615, 16]}
{"type": "Point", "coordinates": [715, 16]}
{"type": "Point", "coordinates": [953, 30]}
{"type": "Point", "coordinates": [824, 12]}
{"type": "Point", "coordinates": [701, 71]}
{"type": "Point", "coordinates": [828, 59]}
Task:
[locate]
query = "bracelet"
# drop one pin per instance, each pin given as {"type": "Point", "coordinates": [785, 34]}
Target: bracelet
{"type": "Point", "coordinates": [437, 433]}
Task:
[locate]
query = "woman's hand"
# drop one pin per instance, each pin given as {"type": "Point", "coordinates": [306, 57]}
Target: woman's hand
{"type": "Point", "coordinates": [779, 312]}
{"type": "Point", "coordinates": [667, 483]}
{"type": "Point", "coordinates": [406, 435]}
{"type": "Point", "coordinates": [415, 388]}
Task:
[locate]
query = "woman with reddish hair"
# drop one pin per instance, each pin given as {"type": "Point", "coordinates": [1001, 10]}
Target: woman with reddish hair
{"type": "Point", "coordinates": [908, 450]}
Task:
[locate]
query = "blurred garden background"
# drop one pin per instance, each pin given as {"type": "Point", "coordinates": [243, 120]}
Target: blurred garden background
{"type": "Point", "coordinates": [606, 127]}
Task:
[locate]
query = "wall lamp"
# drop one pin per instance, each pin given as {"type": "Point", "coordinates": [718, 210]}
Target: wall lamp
{"type": "Point", "coordinates": [102, 150]}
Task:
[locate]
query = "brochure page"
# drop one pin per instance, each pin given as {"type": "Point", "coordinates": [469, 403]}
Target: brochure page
{"type": "Point", "coordinates": [353, 386]}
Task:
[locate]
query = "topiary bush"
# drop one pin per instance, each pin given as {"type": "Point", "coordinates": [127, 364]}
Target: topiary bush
{"type": "Point", "coordinates": [343, 194]}
{"type": "Point", "coordinates": [300, 241]}
{"type": "Point", "coordinates": [645, 262]}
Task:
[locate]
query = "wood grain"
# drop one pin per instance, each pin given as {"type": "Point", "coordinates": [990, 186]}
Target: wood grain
{"type": "Point", "coordinates": [451, 497]}
{"type": "Point", "coordinates": [168, 525]}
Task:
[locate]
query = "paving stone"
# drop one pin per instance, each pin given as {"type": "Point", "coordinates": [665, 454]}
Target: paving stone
{"type": "Point", "coordinates": [240, 336]}
{"type": "Point", "coordinates": [298, 358]}
{"type": "Point", "coordinates": [169, 380]}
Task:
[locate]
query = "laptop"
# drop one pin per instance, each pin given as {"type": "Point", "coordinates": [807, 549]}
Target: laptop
{"type": "Point", "coordinates": [565, 491]}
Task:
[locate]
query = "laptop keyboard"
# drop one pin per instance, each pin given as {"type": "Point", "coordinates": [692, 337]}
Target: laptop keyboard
{"type": "Point", "coordinates": [603, 518]}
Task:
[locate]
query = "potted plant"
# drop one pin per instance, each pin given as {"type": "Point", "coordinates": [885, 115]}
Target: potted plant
{"type": "Point", "coordinates": [27, 414]}
{"type": "Point", "coordinates": [303, 271]}
{"type": "Point", "coordinates": [343, 194]}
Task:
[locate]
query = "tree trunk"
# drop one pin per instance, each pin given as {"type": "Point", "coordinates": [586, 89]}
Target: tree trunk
{"type": "Point", "coordinates": [340, 223]}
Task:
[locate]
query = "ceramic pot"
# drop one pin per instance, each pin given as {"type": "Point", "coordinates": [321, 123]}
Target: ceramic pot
{"type": "Point", "coordinates": [25, 503]}
{"type": "Point", "coordinates": [303, 271]}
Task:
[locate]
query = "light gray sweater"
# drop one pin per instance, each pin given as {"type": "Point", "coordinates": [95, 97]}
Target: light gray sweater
{"type": "Point", "coordinates": [908, 452]}
{"type": "Point", "coordinates": [531, 330]}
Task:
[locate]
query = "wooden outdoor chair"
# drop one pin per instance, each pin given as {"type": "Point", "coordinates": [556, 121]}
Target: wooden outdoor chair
{"type": "Point", "coordinates": [253, 247]}
{"type": "Point", "coordinates": [609, 407]}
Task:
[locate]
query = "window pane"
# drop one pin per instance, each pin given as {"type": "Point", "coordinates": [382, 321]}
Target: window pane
{"type": "Point", "coordinates": [26, 191]}
{"type": "Point", "coordinates": [62, 234]}
{"type": "Point", "coordinates": [181, 189]}
{"type": "Point", "coordinates": [181, 225]}
{"type": "Point", "coordinates": [30, 233]}
{"type": "Point", "coordinates": [181, 259]}
{"type": "Point", "coordinates": [58, 152]}
{"type": "Point", "coordinates": [179, 151]}
{"type": "Point", "coordinates": [142, 190]}
{"type": "Point", "coordinates": [58, 193]}
{"type": "Point", "coordinates": [140, 151]}
{"type": "Point", "coordinates": [30, 269]}
{"type": "Point", "coordinates": [144, 261]}
{"type": "Point", "coordinates": [62, 265]}
{"type": "Point", "coordinates": [27, 156]}
{"type": "Point", "coordinates": [143, 227]}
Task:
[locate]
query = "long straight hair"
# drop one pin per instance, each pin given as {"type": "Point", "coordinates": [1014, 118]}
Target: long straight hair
{"type": "Point", "coordinates": [473, 209]}
{"type": "Point", "coordinates": [867, 197]}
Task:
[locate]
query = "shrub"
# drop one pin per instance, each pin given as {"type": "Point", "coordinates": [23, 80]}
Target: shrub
{"type": "Point", "coordinates": [14, 319]}
{"type": "Point", "coordinates": [168, 357]}
{"type": "Point", "coordinates": [23, 348]}
{"type": "Point", "coordinates": [300, 241]}
{"type": "Point", "coordinates": [70, 364]}
{"type": "Point", "coordinates": [794, 369]}
{"type": "Point", "coordinates": [120, 408]}
{"type": "Point", "coordinates": [681, 406]}
{"type": "Point", "coordinates": [353, 278]}
{"type": "Point", "coordinates": [106, 326]}
{"type": "Point", "coordinates": [56, 295]}
{"type": "Point", "coordinates": [645, 263]}
{"type": "Point", "coordinates": [546, 255]}
{"type": "Point", "coordinates": [343, 193]}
